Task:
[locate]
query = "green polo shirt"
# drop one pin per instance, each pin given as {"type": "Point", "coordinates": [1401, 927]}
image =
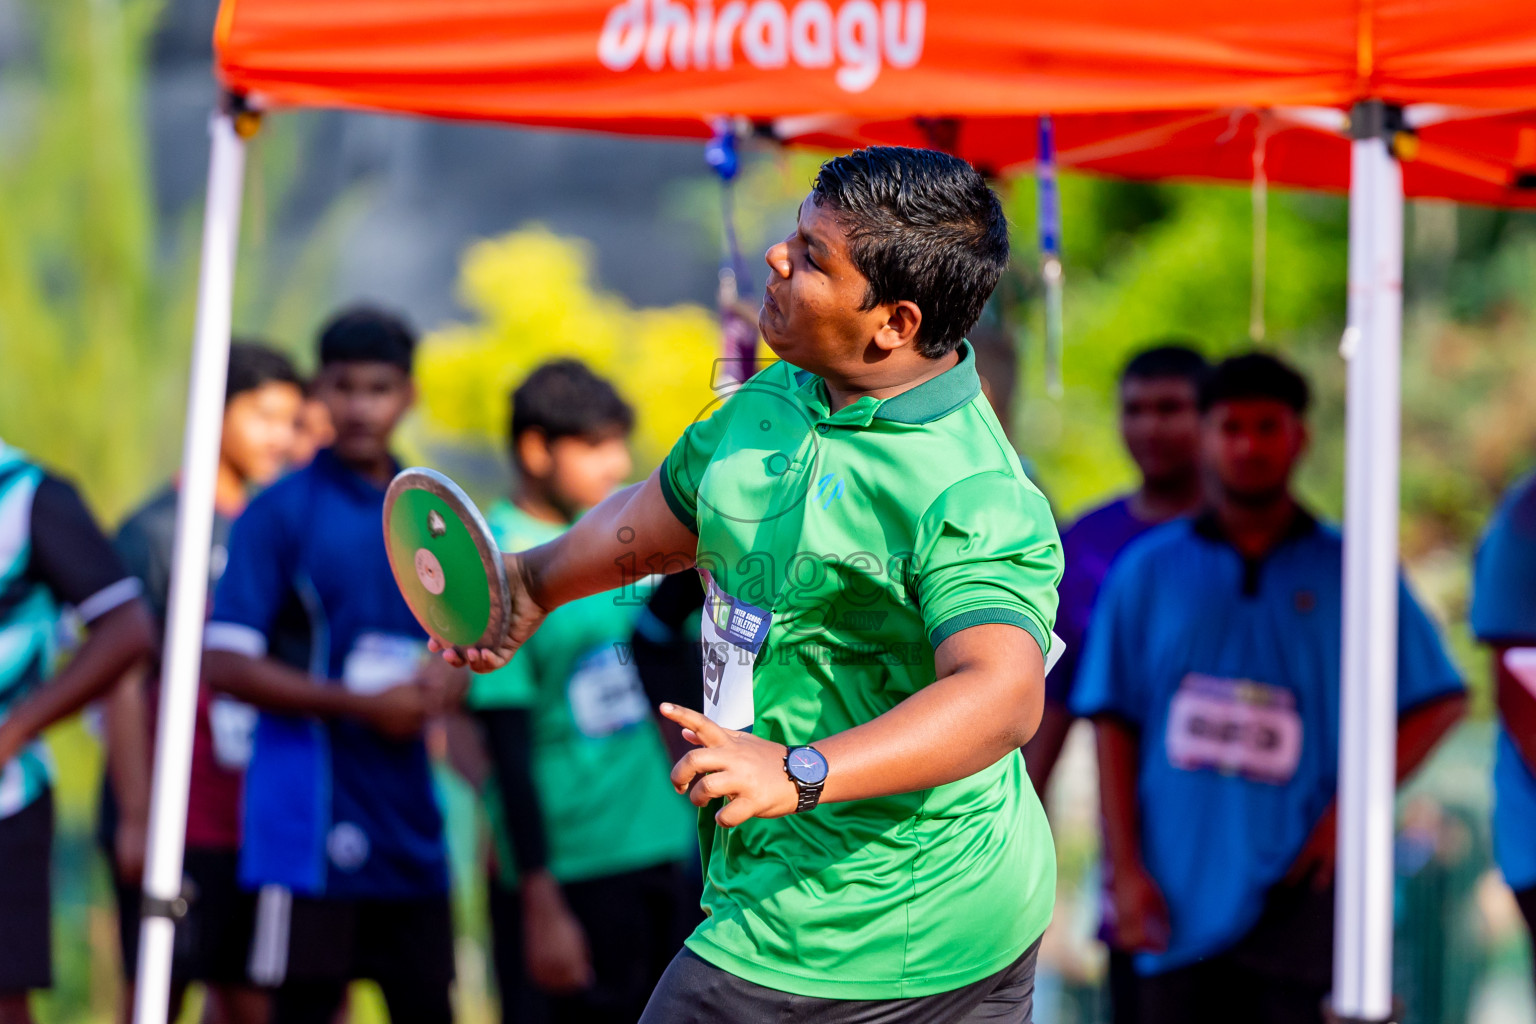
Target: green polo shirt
{"type": "Point", "coordinates": [869, 535]}
{"type": "Point", "coordinates": [600, 767]}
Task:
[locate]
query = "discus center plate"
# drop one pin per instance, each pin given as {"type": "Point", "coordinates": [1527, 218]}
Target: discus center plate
{"type": "Point", "coordinates": [430, 571]}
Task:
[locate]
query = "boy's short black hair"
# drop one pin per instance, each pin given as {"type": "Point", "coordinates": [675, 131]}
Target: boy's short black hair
{"type": "Point", "coordinates": [922, 226]}
{"type": "Point", "coordinates": [1169, 358]}
{"type": "Point", "coordinates": [367, 334]}
{"type": "Point", "coordinates": [563, 398]}
{"type": "Point", "coordinates": [1255, 375]}
{"type": "Point", "coordinates": [253, 364]}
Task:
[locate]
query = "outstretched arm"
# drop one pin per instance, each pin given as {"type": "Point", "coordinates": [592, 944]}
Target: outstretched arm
{"type": "Point", "coordinates": [983, 707]}
{"type": "Point", "coordinates": [631, 534]}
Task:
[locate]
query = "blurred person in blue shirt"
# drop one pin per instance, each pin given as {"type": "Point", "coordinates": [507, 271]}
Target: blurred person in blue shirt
{"type": "Point", "coordinates": [1504, 618]}
{"type": "Point", "coordinates": [1160, 424]}
{"type": "Point", "coordinates": [343, 835]}
{"type": "Point", "coordinates": [1212, 675]}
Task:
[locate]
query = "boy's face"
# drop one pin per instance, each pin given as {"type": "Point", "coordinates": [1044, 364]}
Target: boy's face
{"type": "Point", "coordinates": [1160, 421]}
{"type": "Point", "coordinates": [259, 430]}
{"type": "Point", "coordinates": [366, 401]}
{"type": "Point", "coordinates": [312, 431]}
{"type": "Point", "coordinates": [811, 316]}
{"type": "Point", "coordinates": [575, 473]}
{"type": "Point", "coordinates": [1252, 446]}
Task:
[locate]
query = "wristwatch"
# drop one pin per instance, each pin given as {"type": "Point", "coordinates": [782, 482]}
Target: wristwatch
{"type": "Point", "coordinates": [807, 769]}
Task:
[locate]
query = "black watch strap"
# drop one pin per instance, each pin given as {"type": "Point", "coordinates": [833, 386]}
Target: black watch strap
{"type": "Point", "coordinates": [809, 795]}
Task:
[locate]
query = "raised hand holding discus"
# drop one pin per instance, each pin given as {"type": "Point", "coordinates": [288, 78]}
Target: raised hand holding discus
{"type": "Point", "coordinates": [473, 601]}
{"type": "Point", "coordinates": [524, 619]}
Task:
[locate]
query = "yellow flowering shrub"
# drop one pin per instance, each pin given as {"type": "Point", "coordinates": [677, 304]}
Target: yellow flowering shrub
{"type": "Point", "coordinates": [534, 300]}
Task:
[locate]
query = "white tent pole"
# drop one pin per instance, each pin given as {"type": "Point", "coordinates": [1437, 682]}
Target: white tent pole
{"type": "Point", "coordinates": [182, 658]}
{"type": "Point", "coordinates": [1368, 723]}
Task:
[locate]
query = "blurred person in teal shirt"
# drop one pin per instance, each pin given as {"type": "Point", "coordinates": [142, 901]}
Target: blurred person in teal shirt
{"type": "Point", "coordinates": [52, 556]}
{"type": "Point", "coordinates": [591, 895]}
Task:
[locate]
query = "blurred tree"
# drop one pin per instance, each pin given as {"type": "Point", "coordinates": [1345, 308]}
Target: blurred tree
{"type": "Point", "coordinates": [534, 299]}
{"type": "Point", "coordinates": [96, 307]}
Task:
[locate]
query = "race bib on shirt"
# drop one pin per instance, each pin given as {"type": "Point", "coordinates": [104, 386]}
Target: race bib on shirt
{"type": "Point", "coordinates": [606, 694]}
{"type": "Point", "coordinates": [1235, 727]}
{"type": "Point", "coordinates": [379, 661]}
{"type": "Point", "coordinates": [1521, 663]}
{"type": "Point", "coordinates": [13, 791]}
{"type": "Point", "coordinates": [731, 633]}
{"type": "Point", "coordinates": [233, 724]}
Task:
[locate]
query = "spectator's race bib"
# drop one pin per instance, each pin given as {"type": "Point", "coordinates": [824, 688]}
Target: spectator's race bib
{"type": "Point", "coordinates": [1521, 662]}
{"type": "Point", "coordinates": [605, 693]}
{"type": "Point", "coordinates": [379, 661]}
{"type": "Point", "coordinates": [13, 791]}
{"type": "Point", "coordinates": [233, 724]}
{"type": "Point", "coordinates": [1236, 727]}
{"type": "Point", "coordinates": [731, 632]}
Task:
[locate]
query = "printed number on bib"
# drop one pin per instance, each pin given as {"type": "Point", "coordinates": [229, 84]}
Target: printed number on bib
{"type": "Point", "coordinates": [731, 633]}
{"type": "Point", "coordinates": [606, 694]}
{"type": "Point", "coordinates": [1236, 727]}
{"type": "Point", "coordinates": [379, 661]}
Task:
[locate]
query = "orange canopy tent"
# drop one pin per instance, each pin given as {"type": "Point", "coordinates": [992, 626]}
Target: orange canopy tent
{"type": "Point", "coordinates": [1140, 88]}
{"type": "Point", "coordinates": [1425, 97]}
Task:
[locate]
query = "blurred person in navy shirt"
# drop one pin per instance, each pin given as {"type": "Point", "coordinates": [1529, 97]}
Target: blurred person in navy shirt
{"type": "Point", "coordinates": [1212, 675]}
{"type": "Point", "coordinates": [343, 836]}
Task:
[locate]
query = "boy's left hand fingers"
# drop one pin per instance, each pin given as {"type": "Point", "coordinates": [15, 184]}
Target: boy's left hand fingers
{"type": "Point", "coordinates": [713, 786]}
{"type": "Point", "coordinates": [708, 732]}
{"type": "Point", "coordinates": [694, 764]}
{"type": "Point", "coordinates": [737, 811]}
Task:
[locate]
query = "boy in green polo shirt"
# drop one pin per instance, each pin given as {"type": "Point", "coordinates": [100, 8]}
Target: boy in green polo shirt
{"type": "Point", "coordinates": [880, 583]}
{"type": "Point", "coordinates": [591, 841]}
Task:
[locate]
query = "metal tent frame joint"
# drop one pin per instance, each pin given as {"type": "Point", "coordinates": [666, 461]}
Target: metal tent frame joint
{"type": "Point", "coordinates": [1376, 119]}
{"type": "Point", "coordinates": [175, 908]}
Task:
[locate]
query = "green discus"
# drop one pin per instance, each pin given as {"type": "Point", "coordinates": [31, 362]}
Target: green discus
{"type": "Point", "coordinates": [445, 561]}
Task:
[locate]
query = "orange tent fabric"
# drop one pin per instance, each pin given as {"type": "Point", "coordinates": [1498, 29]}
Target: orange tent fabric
{"type": "Point", "coordinates": [1143, 88]}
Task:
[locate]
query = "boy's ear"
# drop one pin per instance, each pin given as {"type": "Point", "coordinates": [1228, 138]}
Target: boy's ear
{"type": "Point", "coordinates": [531, 450]}
{"type": "Point", "coordinates": [901, 325]}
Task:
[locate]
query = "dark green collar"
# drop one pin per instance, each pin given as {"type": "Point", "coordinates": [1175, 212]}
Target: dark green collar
{"type": "Point", "coordinates": [933, 399]}
{"type": "Point", "coordinates": [938, 396]}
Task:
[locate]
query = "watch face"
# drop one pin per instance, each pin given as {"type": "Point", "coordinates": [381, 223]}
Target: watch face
{"type": "Point", "coordinates": [807, 766]}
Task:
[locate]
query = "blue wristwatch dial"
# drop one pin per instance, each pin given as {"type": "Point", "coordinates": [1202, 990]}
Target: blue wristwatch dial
{"type": "Point", "coordinates": [806, 766]}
